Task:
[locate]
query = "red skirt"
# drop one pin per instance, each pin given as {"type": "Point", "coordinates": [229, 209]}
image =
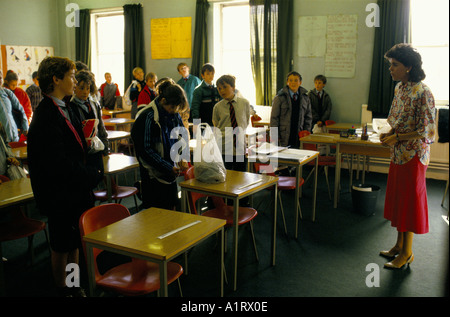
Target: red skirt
{"type": "Point", "coordinates": [406, 197]}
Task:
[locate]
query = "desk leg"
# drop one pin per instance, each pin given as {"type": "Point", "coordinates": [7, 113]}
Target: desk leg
{"type": "Point", "coordinates": [235, 240]}
{"type": "Point", "coordinates": [221, 264]}
{"type": "Point", "coordinates": [315, 189]}
{"type": "Point", "coordinates": [90, 268]}
{"type": "Point", "coordinates": [337, 175]}
{"type": "Point", "coordinates": [163, 279]}
{"type": "Point", "coordinates": [2, 274]}
{"type": "Point", "coordinates": [274, 228]}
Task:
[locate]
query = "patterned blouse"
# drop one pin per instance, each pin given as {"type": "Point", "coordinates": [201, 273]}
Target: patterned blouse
{"type": "Point", "coordinates": [412, 110]}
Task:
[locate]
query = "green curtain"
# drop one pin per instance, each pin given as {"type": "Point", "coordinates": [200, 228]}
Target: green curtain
{"type": "Point", "coordinates": [200, 48]}
{"type": "Point", "coordinates": [270, 46]}
{"type": "Point", "coordinates": [134, 40]}
{"type": "Point", "coordinates": [394, 28]}
{"type": "Point", "coordinates": [83, 38]}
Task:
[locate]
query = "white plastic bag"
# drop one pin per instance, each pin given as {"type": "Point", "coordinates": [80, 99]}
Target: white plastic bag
{"type": "Point", "coordinates": [208, 162]}
{"type": "Point", "coordinates": [126, 101]}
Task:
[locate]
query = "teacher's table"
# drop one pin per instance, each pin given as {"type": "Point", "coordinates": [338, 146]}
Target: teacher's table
{"type": "Point", "coordinates": [14, 192]}
{"type": "Point", "coordinates": [117, 122]}
{"type": "Point", "coordinates": [237, 185]}
{"type": "Point", "coordinates": [358, 147]}
{"type": "Point", "coordinates": [117, 163]}
{"type": "Point", "coordinates": [342, 126]}
{"type": "Point", "coordinates": [155, 235]}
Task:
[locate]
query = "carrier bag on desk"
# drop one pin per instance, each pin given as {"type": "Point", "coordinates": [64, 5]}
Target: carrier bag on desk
{"type": "Point", "coordinates": [208, 162]}
{"type": "Point", "coordinates": [126, 101]}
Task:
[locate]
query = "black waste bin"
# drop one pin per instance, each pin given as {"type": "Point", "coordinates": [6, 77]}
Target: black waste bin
{"type": "Point", "coordinates": [364, 198]}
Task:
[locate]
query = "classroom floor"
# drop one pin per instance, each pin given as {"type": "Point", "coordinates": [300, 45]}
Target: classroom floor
{"type": "Point", "coordinates": [329, 258]}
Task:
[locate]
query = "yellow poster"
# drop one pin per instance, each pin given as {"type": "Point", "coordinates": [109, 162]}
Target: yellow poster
{"type": "Point", "coordinates": [171, 38]}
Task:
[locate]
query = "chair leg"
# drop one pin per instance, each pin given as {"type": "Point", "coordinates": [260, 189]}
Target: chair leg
{"type": "Point", "coordinates": [179, 287]}
{"type": "Point", "coordinates": [282, 211]}
{"type": "Point", "coordinates": [254, 241]}
{"type": "Point", "coordinates": [136, 203]}
{"type": "Point", "coordinates": [445, 194]}
{"type": "Point", "coordinates": [30, 248]}
{"type": "Point", "coordinates": [328, 184]}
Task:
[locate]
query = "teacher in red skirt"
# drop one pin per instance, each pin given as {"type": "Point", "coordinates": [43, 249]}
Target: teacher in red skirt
{"type": "Point", "coordinates": [412, 121]}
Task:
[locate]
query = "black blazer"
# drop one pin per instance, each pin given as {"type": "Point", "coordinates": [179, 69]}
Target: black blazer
{"type": "Point", "coordinates": [61, 175]}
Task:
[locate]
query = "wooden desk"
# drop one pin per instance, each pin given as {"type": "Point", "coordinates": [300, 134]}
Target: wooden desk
{"type": "Point", "coordinates": [349, 146]}
{"type": "Point", "coordinates": [15, 192]}
{"type": "Point", "coordinates": [114, 113]}
{"type": "Point", "coordinates": [117, 122]}
{"type": "Point", "coordinates": [297, 158]}
{"type": "Point", "coordinates": [237, 185]}
{"type": "Point", "coordinates": [342, 126]}
{"type": "Point", "coordinates": [20, 153]}
{"type": "Point", "coordinates": [117, 163]}
{"type": "Point", "coordinates": [114, 136]}
{"type": "Point", "coordinates": [141, 236]}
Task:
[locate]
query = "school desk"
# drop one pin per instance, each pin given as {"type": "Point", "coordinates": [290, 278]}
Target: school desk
{"type": "Point", "coordinates": [116, 113]}
{"type": "Point", "coordinates": [155, 235]}
{"type": "Point", "coordinates": [114, 136]}
{"type": "Point", "coordinates": [117, 122]}
{"type": "Point", "coordinates": [115, 164]}
{"type": "Point", "coordinates": [237, 186]}
{"type": "Point", "coordinates": [14, 192]}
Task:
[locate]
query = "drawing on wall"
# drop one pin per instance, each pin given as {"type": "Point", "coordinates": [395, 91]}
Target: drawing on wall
{"type": "Point", "coordinates": [24, 60]}
{"type": "Point", "coordinates": [312, 41]}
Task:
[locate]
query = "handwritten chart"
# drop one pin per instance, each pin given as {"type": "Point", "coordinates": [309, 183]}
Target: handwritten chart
{"type": "Point", "coordinates": [171, 38]}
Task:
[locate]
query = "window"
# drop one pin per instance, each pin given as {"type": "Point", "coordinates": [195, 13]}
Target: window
{"type": "Point", "coordinates": [107, 46]}
{"type": "Point", "coordinates": [232, 50]}
{"type": "Point", "coordinates": [430, 35]}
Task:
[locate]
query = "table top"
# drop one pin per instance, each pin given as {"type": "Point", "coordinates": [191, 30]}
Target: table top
{"type": "Point", "coordinates": [237, 184]}
{"type": "Point", "coordinates": [20, 153]}
{"type": "Point", "coordinates": [156, 233]}
{"type": "Point", "coordinates": [15, 192]}
{"type": "Point", "coordinates": [117, 121]}
{"type": "Point", "coordinates": [115, 163]}
{"type": "Point", "coordinates": [115, 111]}
{"type": "Point", "coordinates": [343, 126]}
{"type": "Point", "coordinates": [333, 138]}
{"type": "Point", "coordinates": [116, 135]}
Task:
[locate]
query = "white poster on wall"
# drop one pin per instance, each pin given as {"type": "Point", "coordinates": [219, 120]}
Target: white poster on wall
{"type": "Point", "coordinates": [340, 57]}
{"type": "Point", "coordinates": [312, 36]}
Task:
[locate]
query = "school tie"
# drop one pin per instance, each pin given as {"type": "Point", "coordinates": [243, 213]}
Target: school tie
{"type": "Point", "coordinates": [233, 121]}
{"type": "Point", "coordinates": [295, 97]}
{"type": "Point", "coordinates": [88, 105]}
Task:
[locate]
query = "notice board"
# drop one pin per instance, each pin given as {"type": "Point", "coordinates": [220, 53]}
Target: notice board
{"type": "Point", "coordinates": [171, 38]}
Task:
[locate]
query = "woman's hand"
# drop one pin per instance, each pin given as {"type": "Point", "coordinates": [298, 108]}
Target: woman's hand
{"type": "Point", "coordinates": [388, 139]}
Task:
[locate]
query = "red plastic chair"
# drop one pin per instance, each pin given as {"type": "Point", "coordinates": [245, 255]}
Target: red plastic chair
{"type": "Point", "coordinates": [324, 161]}
{"type": "Point", "coordinates": [118, 193]}
{"type": "Point", "coordinates": [20, 226]}
{"type": "Point", "coordinates": [221, 210]}
{"type": "Point", "coordinates": [285, 183]}
{"type": "Point", "coordinates": [134, 278]}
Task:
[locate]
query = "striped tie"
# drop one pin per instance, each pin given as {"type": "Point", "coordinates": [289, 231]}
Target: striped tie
{"type": "Point", "coordinates": [233, 121]}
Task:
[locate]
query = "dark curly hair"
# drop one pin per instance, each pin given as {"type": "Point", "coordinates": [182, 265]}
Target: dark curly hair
{"type": "Point", "coordinates": [410, 57]}
{"type": "Point", "coordinates": [53, 66]}
{"type": "Point", "coordinates": [172, 93]}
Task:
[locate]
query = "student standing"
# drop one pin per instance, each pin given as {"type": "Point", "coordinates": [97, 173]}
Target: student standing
{"type": "Point", "coordinates": [155, 146]}
{"type": "Point", "coordinates": [320, 101]}
{"type": "Point", "coordinates": [135, 89]}
{"type": "Point", "coordinates": [62, 177]}
{"type": "Point", "coordinates": [148, 93]}
{"type": "Point", "coordinates": [205, 96]}
{"type": "Point", "coordinates": [11, 80]}
{"type": "Point", "coordinates": [413, 128]}
{"type": "Point", "coordinates": [34, 92]}
{"type": "Point", "coordinates": [187, 81]}
{"type": "Point", "coordinates": [9, 104]}
{"type": "Point", "coordinates": [291, 111]}
{"type": "Point", "coordinates": [109, 91]}
{"type": "Point", "coordinates": [231, 116]}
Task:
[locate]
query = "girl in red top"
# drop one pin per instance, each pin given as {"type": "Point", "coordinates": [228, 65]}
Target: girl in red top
{"type": "Point", "coordinates": [11, 80]}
